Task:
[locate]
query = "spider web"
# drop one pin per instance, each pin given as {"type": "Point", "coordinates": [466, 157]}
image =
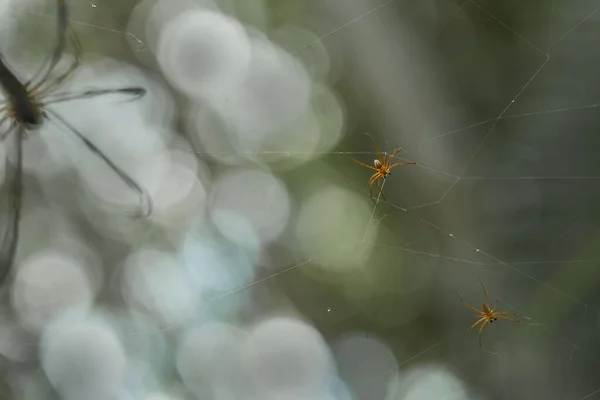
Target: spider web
{"type": "Point", "coordinates": [469, 247]}
{"type": "Point", "coordinates": [453, 219]}
{"type": "Point", "coordinates": [89, 18]}
{"type": "Point", "coordinates": [457, 237]}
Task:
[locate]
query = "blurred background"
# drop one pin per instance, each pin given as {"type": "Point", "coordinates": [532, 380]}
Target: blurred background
{"type": "Point", "coordinates": [266, 271]}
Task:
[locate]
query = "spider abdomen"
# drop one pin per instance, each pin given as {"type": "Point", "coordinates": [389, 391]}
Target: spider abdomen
{"type": "Point", "coordinates": [22, 106]}
{"type": "Point", "coordinates": [26, 111]}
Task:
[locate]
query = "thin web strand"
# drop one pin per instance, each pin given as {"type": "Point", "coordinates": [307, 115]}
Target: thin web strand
{"type": "Point", "coordinates": [482, 142]}
{"type": "Point", "coordinates": [341, 27]}
{"type": "Point", "coordinates": [459, 177]}
{"type": "Point", "coordinates": [517, 34]}
{"type": "Point", "coordinates": [407, 146]}
{"type": "Point", "coordinates": [141, 44]}
{"type": "Point", "coordinates": [577, 25]}
{"type": "Point", "coordinates": [195, 308]}
{"type": "Point", "coordinates": [222, 296]}
{"type": "Point", "coordinates": [459, 332]}
{"type": "Point", "coordinates": [497, 260]}
{"type": "Point", "coordinates": [373, 212]}
{"type": "Point", "coordinates": [551, 26]}
{"type": "Point", "coordinates": [573, 345]}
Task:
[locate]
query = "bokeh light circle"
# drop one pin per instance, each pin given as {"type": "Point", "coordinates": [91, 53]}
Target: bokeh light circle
{"type": "Point", "coordinates": [286, 356]}
{"type": "Point", "coordinates": [83, 359]}
{"type": "Point", "coordinates": [335, 218]}
{"type": "Point", "coordinates": [249, 204]}
{"type": "Point", "coordinates": [209, 358]}
{"type": "Point", "coordinates": [49, 283]}
{"type": "Point", "coordinates": [157, 283]}
{"type": "Point", "coordinates": [203, 53]}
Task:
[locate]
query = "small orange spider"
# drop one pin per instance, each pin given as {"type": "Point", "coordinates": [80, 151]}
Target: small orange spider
{"type": "Point", "coordinates": [487, 313]}
{"type": "Point", "coordinates": [382, 167]}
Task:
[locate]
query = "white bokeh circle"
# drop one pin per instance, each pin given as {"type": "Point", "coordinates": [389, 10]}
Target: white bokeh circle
{"type": "Point", "coordinates": [250, 204]}
{"type": "Point", "coordinates": [203, 53]}
{"type": "Point", "coordinates": [83, 359]}
{"type": "Point", "coordinates": [49, 283]}
{"type": "Point", "coordinates": [286, 356]}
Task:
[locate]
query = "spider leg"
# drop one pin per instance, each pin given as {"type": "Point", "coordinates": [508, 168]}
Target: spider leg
{"type": "Point", "coordinates": [137, 92]}
{"type": "Point", "coordinates": [8, 245]}
{"type": "Point", "coordinates": [398, 150]}
{"type": "Point", "coordinates": [392, 155]}
{"type": "Point", "coordinates": [487, 301]}
{"type": "Point", "coordinates": [376, 146]}
{"type": "Point", "coordinates": [378, 186]}
{"type": "Point", "coordinates": [145, 200]}
{"type": "Point", "coordinates": [495, 305]}
{"type": "Point", "coordinates": [480, 320]}
{"type": "Point", "coordinates": [505, 313]}
{"type": "Point", "coordinates": [467, 305]}
{"type": "Point", "coordinates": [365, 165]}
{"type": "Point", "coordinates": [6, 117]}
{"type": "Point", "coordinates": [403, 163]}
{"type": "Point", "coordinates": [56, 82]}
{"type": "Point", "coordinates": [376, 176]}
{"type": "Point", "coordinates": [506, 318]}
{"type": "Point", "coordinates": [6, 133]}
{"type": "Point", "coordinates": [481, 330]}
{"type": "Point", "coordinates": [53, 59]}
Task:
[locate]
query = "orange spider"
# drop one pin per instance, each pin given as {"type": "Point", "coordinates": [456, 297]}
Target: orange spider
{"type": "Point", "coordinates": [487, 313]}
{"type": "Point", "coordinates": [382, 168]}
